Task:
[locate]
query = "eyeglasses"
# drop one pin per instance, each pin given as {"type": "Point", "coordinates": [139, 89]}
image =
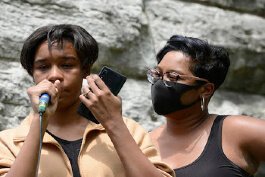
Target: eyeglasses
{"type": "Point", "coordinates": [154, 75]}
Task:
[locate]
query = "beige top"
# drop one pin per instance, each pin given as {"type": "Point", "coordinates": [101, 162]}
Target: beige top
{"type": "Point", "coordinates": [97, 157]}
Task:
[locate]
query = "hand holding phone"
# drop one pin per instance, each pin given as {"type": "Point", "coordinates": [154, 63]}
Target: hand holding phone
{"type": "Point", "coordinates": [113, 80]}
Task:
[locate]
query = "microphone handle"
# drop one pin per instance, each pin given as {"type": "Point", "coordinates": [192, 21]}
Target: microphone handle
{"type": "Point", "coordinates": [43, 103]}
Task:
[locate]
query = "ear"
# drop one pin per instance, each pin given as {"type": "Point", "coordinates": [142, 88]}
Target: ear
{"type": "Point", "coordinates": [207, 90]}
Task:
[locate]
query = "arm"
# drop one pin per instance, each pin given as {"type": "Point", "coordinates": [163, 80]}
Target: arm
{"type": "Point", "coordinates": [253, 141]}
{"type": "Point", "coordinates": [26, 162]}
{"type": "Point", "coordinates": [249, 137]}
{"type": "Point", "coordinates": [107, 109]}
{"type": "Point", "coordinates": [134, 159]}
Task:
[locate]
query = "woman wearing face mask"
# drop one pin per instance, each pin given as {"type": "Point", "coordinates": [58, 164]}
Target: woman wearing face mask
{"type": "Point", "coordinates": [193, 142]}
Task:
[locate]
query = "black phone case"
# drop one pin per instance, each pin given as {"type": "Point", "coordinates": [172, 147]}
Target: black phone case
{"type": "Point", "coordinates": [113, 80]}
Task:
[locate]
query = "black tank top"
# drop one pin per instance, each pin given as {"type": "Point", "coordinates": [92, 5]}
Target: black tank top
{"type": "Point", "coordinates": [72, 149]}
{"type": "Point", "coordinates": [212, 162]}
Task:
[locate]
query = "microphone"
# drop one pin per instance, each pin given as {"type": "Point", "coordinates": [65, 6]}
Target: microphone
{"type": "Point", "coordinates": [44, 101]}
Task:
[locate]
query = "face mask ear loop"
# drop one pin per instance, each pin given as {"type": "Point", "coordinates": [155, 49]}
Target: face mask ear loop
{"type": "Point", "coordinates": [202, 103]}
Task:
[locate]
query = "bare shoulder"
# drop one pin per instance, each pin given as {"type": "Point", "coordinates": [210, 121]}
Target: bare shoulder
{"type": "Point", "coordinates": [239, 121]}
{"type": "Point", "coordinates": [243, 127]}
{"type": "Point", "coordinates": [246, 134]}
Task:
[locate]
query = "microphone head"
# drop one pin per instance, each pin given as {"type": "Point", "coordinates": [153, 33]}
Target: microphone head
{"type": "Point", "coordinates": [43, 103]}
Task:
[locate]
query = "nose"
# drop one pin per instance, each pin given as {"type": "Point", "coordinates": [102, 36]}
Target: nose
{"type": "Point", "coordinates": [165, 77]}
{"type": "Point", "coordinates": [55, 74]}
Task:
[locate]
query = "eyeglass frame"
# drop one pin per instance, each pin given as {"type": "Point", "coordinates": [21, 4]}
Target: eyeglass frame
{"type": "Point", "coordinates": [151, 79]}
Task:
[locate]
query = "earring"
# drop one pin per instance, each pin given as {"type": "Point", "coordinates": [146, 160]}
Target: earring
{"type": "Point", "coordinates": [202, 103]}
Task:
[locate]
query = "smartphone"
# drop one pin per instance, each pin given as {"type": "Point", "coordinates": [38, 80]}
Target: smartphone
{"type": "Point", "coordinates": [113, 80]}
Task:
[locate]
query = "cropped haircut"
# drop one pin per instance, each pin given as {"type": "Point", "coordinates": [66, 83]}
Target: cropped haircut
{"type": "Point", "coordinates": [85, 45]}
{"type": "Point", "coordinates": [208, 61]}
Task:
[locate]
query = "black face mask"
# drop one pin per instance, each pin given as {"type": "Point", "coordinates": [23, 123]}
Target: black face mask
{"type": "Point", "coordinates": [167, 99]}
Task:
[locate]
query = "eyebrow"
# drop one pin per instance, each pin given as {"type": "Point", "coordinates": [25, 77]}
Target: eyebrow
{"type": "Point", "coordinates": [70, 58]}
{"type": "Point", "coordinates": [172, 70]}
{"type": "Point", "coordinates": [39, 61]}
{"type": "Point", "coordinates": [66, 58]}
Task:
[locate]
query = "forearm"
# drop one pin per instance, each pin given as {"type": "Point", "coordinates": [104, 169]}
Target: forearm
{"type": "Point", "coordinates": [27, 159]}
{"type": "Point", "coordinates": [134, 161]}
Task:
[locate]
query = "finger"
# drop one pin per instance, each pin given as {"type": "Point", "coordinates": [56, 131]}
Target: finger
{"type": "Point", "coordinates": [92, 84]}
{"type": "Point", "coordinates": [86, 89]}
{"type": "Point", "coordinates": [45, 86]}
{"type": "Point", "coordinates": [34, 94]}
{"type": "Point", "coordinates": [86, 94]}
{"type": "Point", "coordinates": [50, 88]}
{"type": "Point", "coordinates": [83, 98]}
{"type": "Point", "coordinates": [100, 83]}
{"type": "Point", "coordinates": [58, 86]}
{"type": "Point", "coordinates": [56, 91]}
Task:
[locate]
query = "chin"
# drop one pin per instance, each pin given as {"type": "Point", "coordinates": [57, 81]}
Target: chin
{"type": "Point", "coordinates": [65, 103]}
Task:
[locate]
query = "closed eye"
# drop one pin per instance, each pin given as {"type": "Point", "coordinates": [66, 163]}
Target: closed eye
{"type": "Point", "coordinates": [173, 76]}
{"type": "Point", "coordinates": [42, 67]}
{"type": "Point", "coordinates": [67, 66]}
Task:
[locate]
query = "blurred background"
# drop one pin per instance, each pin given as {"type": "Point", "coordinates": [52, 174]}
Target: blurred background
{"type": "Point", "coordinates": [130, 33]}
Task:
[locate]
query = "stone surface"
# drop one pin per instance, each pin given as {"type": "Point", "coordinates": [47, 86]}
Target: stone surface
{"type": "Point", "coordinates": [242, 34]}
{"type": "Point", "coordinates": [129, 33]}
{"type": "Point", "coordinates": [118, 26]}
{"type": "Point", "coordinates": [14, 104]}
{"type": "Point", "coordinates": [244, 6]}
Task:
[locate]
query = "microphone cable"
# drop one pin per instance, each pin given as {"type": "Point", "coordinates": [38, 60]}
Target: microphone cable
{"type": "Point", "coordinates": [40, 144]}
{"type": "Point", "coordinates": [43, 103]}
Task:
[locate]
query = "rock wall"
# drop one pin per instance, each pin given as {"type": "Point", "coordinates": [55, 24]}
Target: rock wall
{"type": "Point", "coordinates": [129, 33]}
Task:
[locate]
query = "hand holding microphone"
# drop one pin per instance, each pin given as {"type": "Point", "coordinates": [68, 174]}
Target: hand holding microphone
{"type": "Point", "coordinates": [44, 97]}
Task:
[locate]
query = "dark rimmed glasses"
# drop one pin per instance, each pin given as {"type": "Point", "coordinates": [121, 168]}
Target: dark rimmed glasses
{"type": "Point", "coordinates": [153, 75]}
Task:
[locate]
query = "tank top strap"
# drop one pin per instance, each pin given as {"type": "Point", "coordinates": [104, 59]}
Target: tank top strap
{"type": "Point", "coordinates": [215, 137]}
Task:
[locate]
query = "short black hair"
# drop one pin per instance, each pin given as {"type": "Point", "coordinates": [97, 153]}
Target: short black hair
{"type": "Point", "coordinates": [208, 61]}
{"type": "Point", "coordinates": [85, 45]}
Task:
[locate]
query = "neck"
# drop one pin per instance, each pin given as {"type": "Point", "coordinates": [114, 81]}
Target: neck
{"type": "Point", "coordinates": [185, 121]}
{"type": "Point", "coordinates": [67, 124]}
{"type": "Point", "coordinates": [67, 116]}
